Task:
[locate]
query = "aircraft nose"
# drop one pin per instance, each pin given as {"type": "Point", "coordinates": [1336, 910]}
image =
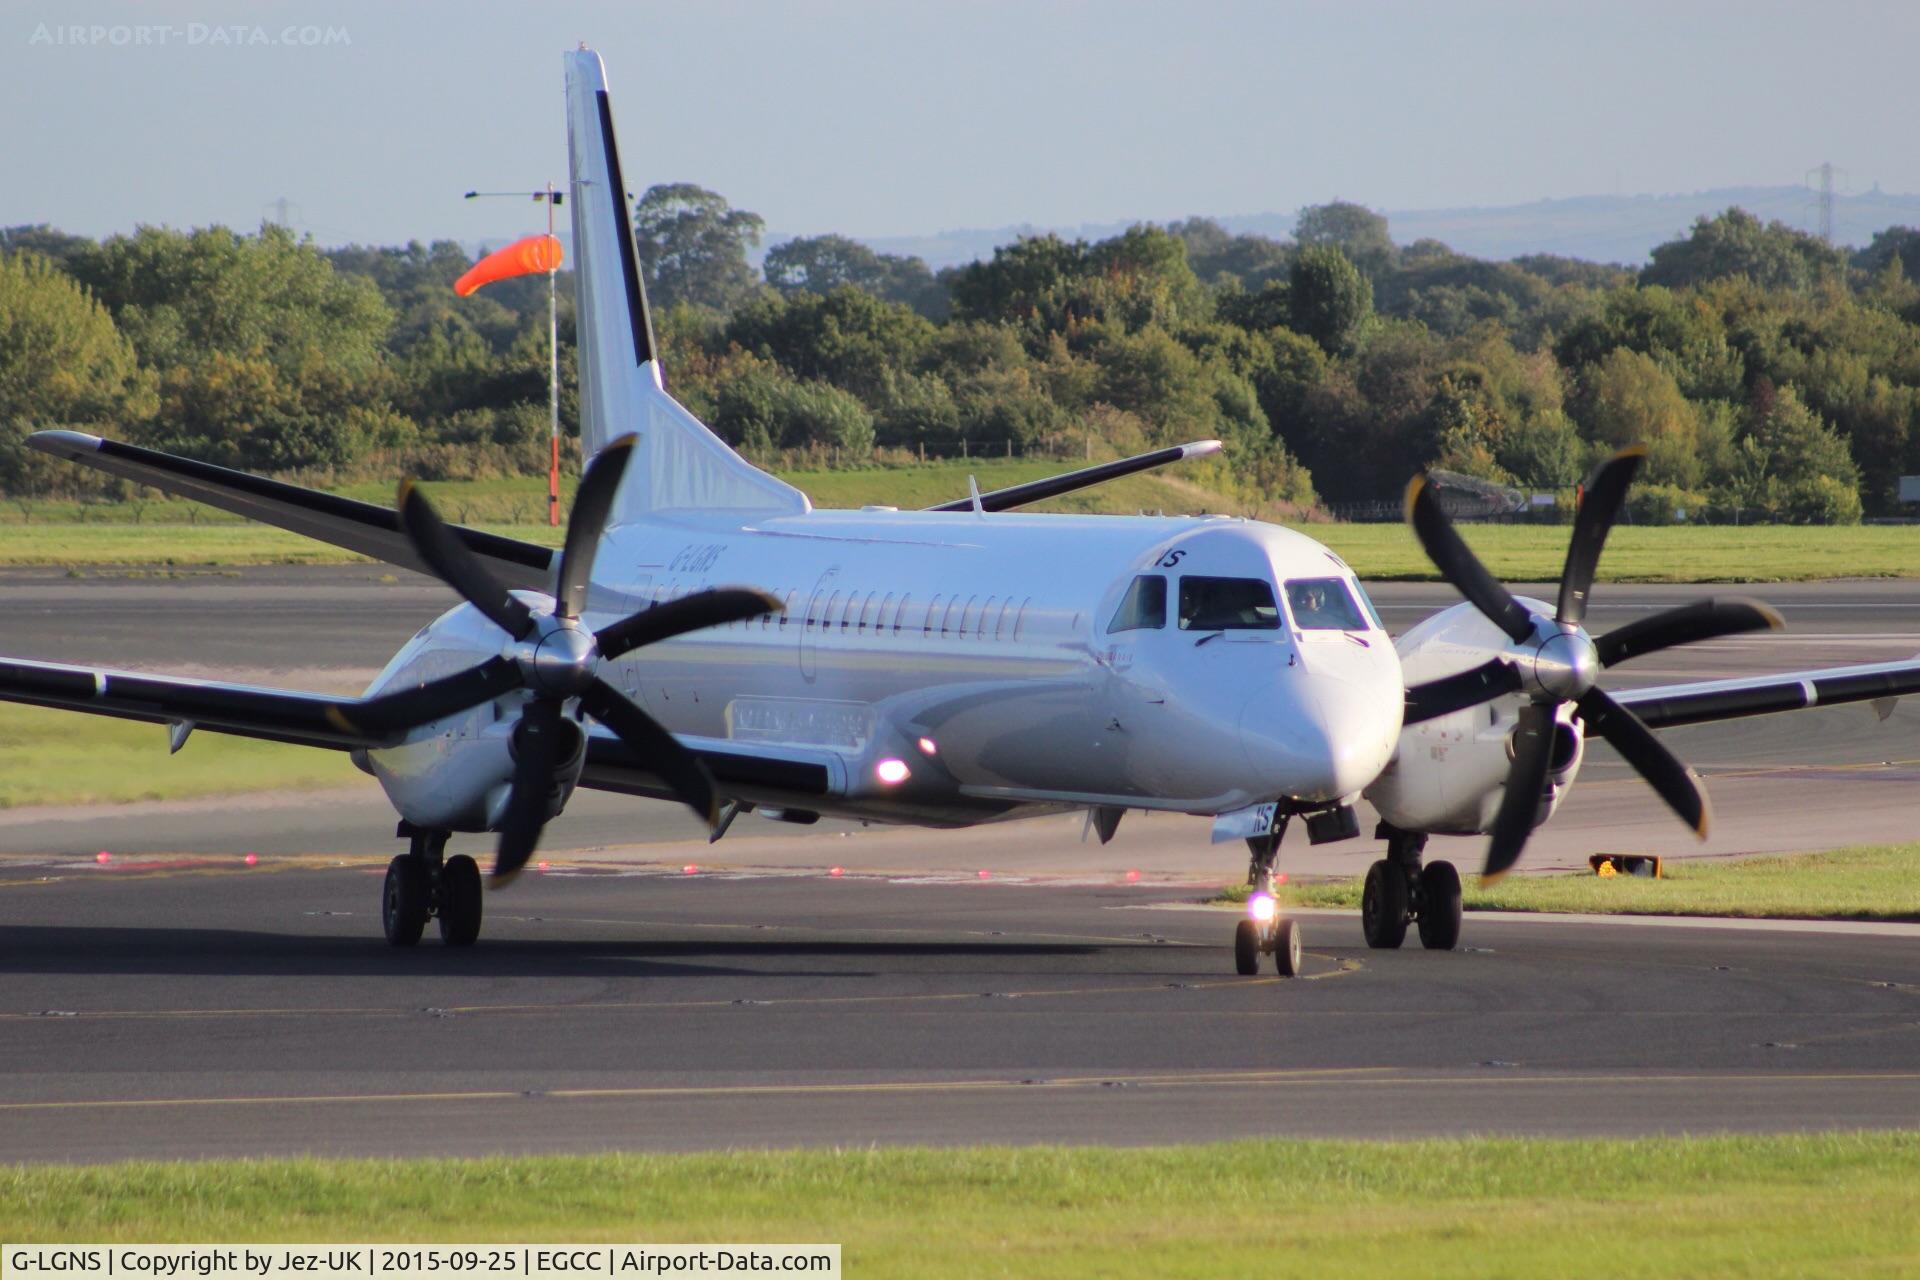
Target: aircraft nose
{"type": "Point", "coordinates": [1319, 738]}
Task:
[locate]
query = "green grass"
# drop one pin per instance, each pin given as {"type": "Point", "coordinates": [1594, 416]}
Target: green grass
{"type": "Point", "coordinates": [183, 533]}
{"type": "Point", "coordinates": [1680, 553]}
{"type": "Point", "coordinates": [1864, 882]}
{"type": "Point", "coordinates": [1766, 1206]}
{"type": "Point", "coordinates": [58, 757]}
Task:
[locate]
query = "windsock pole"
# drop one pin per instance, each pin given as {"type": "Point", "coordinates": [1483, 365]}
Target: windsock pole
{"type": "Point", "coordinates": [523, 257]}
{"type": "Point", "coordinates": [553, 378]}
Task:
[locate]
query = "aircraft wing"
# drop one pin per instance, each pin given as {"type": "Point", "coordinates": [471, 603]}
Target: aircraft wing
{"type": "Point", "coordinates": [277, 715]}
{"type": "Point", "coordinates": [1669, 706]}
{"type": "Point", "coordinates": [358, 526]}
{"type": "Point", "coordinates": [773, 776]}
{"type": "Point", "coordinates": [1020, 495]}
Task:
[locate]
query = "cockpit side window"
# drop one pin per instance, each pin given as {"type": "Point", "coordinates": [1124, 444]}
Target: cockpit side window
{"type": "Point", "coordinates": [1323, 604]}
{"type": "Point", "coordinates": [1145, 606]}
{"type": "Point", "coordinates": [1227, 604]}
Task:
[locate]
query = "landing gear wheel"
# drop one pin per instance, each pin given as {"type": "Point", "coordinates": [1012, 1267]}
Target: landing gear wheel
{"type": "Point", "coordinates": [1439, 907]}
{"type": "Point", "coordinates": [1383, 906]}
{"type": "Point", "coordinates": [403, 901]}
{"type": "Point", "coordinates": [459, 901]}
{"type": "Point", "coordinates": [1286, 948]}
{"type": "Point", "coordinates": [1246, 948]}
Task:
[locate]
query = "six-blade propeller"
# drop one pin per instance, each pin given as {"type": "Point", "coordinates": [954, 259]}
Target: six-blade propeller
{"type": "Point", "coordinates": [557, 660]}
{"type": "Point", "coordinates": [1553, 660]}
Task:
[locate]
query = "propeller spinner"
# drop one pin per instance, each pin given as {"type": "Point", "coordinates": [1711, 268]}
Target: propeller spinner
{"type": "Point", "coordinates": [1553, 660]}
{"type": "Point", "coordinates": [554, 657]}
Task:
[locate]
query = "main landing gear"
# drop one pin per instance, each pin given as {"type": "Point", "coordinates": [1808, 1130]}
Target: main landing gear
{"type": "Point", "coordinates": [1265, 931]}
{"type": "Point", "coordinates": [422, 883]}
{"type": "Point", "coordinates": [1399, 892]}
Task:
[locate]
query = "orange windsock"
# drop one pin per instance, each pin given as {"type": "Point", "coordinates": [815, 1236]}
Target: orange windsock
{"type": "Point", "coordinates": [521, 258]}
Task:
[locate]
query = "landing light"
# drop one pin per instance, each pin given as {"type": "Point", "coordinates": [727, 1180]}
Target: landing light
{"type": "Point", "coordinates": [1262, 907]}
{"type": "Point", "coordinates": [891, 771]}
{"type": "Point", "coordinates": [927, 747]}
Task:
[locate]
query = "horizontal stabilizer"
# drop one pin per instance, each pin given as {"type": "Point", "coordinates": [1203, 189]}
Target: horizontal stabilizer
{"type": "Point", "coordinates": [342, 522]}
{"type": "Point", "coordinates": [1020, 495]}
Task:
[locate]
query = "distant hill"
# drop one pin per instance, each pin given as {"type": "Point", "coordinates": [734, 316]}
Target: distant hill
{"type": "Point", "coordinates": [1620, 229]}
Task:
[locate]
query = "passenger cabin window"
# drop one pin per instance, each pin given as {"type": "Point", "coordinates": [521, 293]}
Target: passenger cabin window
{"type": "Point", "coordinates": [1145, 606]}
{"type": "Point", "coordinates": [1323, 604]}
{"type": "Point", "coordinates": [1227, 604]}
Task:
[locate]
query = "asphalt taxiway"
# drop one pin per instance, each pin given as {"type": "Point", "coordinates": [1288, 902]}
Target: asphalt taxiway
{"type": "Point", "coordinates": [175, 1002]}
{"type": "Point", "coordinates": [197, 1011]}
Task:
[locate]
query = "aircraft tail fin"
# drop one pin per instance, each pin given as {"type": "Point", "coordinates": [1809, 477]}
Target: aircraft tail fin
{"type": "Point", "coordinates": [679, 464]}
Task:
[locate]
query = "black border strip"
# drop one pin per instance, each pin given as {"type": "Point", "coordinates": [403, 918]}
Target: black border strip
{"type": "Point", "coordinates": [642, 322]}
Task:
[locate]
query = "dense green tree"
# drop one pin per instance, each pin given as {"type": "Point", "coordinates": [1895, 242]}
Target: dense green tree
{"type": "Point", "coordinates": [846, 336]}
{"type": "Point", "coordinates": [693, 246]}
{"type": "Point", "coordinates": [1356, 231]}
{"type": "Point", "coordinates": [1213, 252]}
{"type": "Point", "coordinates": [1772, 255]}
{"type": "Point", "coordinates": [1793, 466]}
{"type": "Point", "coordinates": [54, 245]}
{"type": "Point", "coordinates": [1627, 398]}
{"type": "Point", "coordinates": [821, 264]}
{"type": "Point", "coordinates": [1328, 299]}
{"type": "Point", "coordinates": [1019, 278]}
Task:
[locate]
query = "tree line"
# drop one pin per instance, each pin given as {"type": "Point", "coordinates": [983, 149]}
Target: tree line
{"type": "Point", "coordinates": [1768, 371]}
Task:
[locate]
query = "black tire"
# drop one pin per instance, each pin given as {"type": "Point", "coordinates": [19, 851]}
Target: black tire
{"type": "Point", "coordinates": [1246, 948]}
{"type": "Point", "coordinates": [1439, 907]}
{"type": "Point", "coordinates": [403, 901]}
{"type": "Point", "coordinates": [1383, 906]}
{"type": "Point", "coordinates": [1286, 949]}
{"type": "Point", "coordinates": [459, 901]}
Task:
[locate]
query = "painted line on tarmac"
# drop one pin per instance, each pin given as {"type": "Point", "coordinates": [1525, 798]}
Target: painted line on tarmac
{"type": "Point", "coordinates": [1341, 966]}
{"type": "Point", "coordinates": [1337, 1077]}
{"type": "Point", "coordinates": [1856, 928]}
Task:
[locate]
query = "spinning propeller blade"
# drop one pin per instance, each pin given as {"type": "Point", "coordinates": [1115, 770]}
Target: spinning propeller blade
{"type": "Point", "coordinates": [540, 737]}
{"type": "Point", "coordinates": [1561, 679]}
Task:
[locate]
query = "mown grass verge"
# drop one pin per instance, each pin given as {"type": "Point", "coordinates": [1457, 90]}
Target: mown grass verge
{"type": "Point", "coordinates": [170, 532]}
{"type": "Point", "coordinates": [52, 757]}
{"type": "Point", "coordinates": [1737, 1206]}
{"type": "Point", "coordinates": [1863, 882]}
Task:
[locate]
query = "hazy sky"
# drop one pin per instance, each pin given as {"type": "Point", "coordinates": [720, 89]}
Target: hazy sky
{"type": "Point", "coordinates": [877, 118]}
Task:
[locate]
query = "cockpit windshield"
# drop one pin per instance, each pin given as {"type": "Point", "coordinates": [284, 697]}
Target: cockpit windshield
{"type": "Point", "coordinates": [1227, 604]}
{"type": "Point", "coordinates": [1323, 604]}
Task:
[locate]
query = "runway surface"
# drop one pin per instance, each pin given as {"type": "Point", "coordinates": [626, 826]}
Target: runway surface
{"type": "Point", "coordinates": [177, 1003]}
{"type": "Point", "coordinates": [225, 1012]}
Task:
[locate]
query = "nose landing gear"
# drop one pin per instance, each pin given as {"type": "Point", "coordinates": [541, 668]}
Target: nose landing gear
{"type": "Point", "coordinates": [1399, 892]}
{"type": "Point", "coordinates": [423, 883]}
{"type": "Point", "coordinates": [1273, 934]}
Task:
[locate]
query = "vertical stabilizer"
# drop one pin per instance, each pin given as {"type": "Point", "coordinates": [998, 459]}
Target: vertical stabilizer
{"type": "Point", "coordinates": [679, 464]}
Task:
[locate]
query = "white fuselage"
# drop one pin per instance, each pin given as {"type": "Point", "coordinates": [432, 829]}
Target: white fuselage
{"type": "Point", "coordinates": [978, 650]}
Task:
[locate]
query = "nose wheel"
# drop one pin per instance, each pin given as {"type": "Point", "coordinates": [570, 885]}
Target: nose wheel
{"type": "Point", "coordinates": [1278, 935]}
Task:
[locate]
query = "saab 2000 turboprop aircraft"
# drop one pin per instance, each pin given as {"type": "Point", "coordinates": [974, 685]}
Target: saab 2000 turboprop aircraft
{"type": "Point", "coordinates": [705, 635]}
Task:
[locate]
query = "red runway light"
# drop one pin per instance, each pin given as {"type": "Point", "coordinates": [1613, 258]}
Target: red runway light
{"type": "Point", "coordinates": [252, 859]}
{"type": "Point", "coordinates": [985, 874]}
{"type": "Point", "coordinates": [836, 871]}
{"type": "Point", "coordinates": [103, 857]}
{"type": "Point", "coordinates": [544, 864]}
{"type": "Point", "coordinates": [1133, 877]}
{"type": "Point", "coordinates": [689, 869]}
{"type": "Point", "coordinates": [1281, 878]}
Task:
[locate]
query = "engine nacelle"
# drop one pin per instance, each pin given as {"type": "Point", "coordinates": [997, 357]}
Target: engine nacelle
{"type": "Point", "coordinates": [1449, 774]}
{"type": "Point", "coordinates": [455, 774]}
